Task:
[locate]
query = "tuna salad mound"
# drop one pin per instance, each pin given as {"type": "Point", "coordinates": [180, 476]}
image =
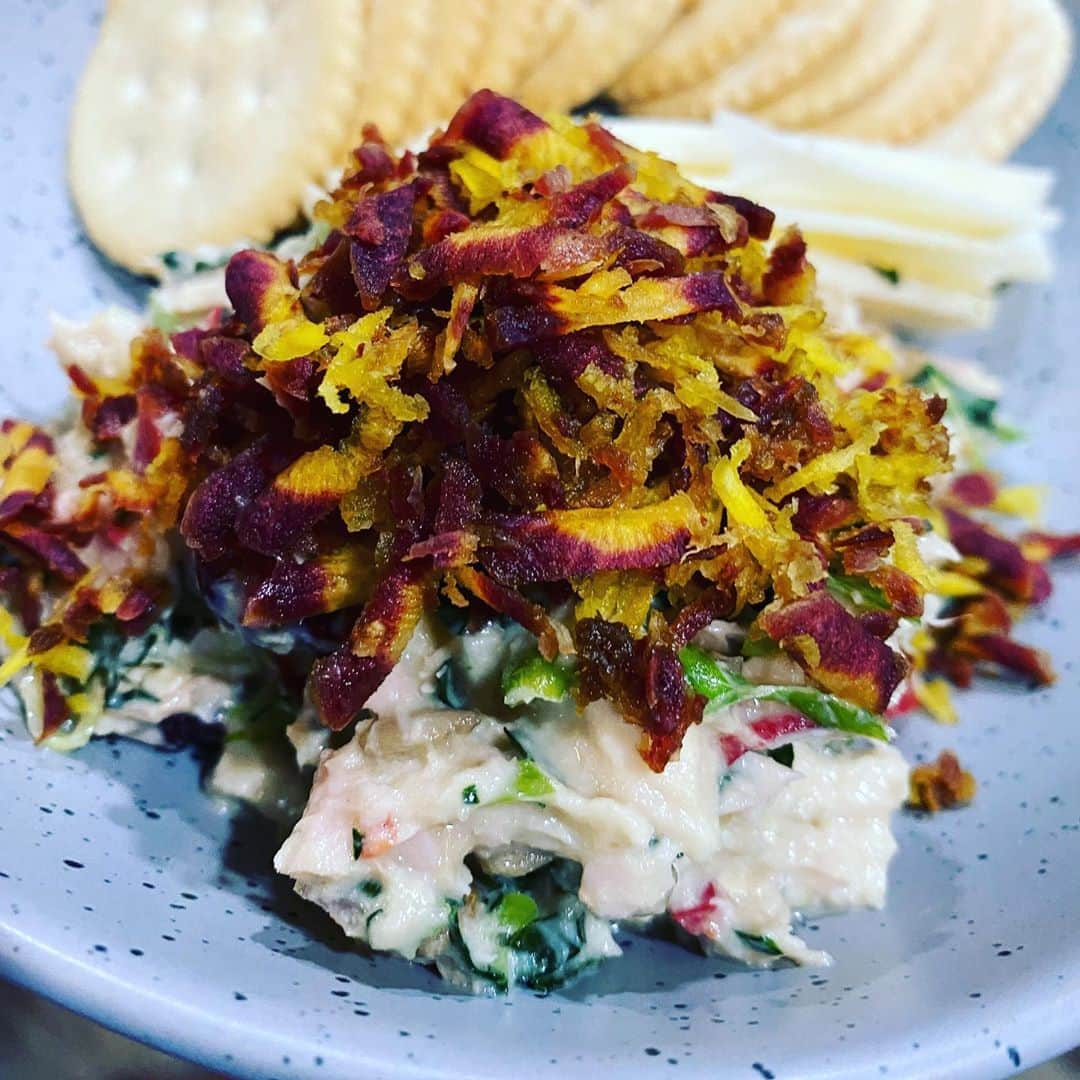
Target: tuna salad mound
{"type": "Point", "coordinates": [528, 519]}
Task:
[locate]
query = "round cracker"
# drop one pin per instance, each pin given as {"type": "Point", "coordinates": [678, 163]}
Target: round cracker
{"type": "Point", "coordinates": [695, 46]}
{"type": "Point", "coordinates": [455, 37]}
{"type": "Point", "coordinates": [799, 41]}
{"type": "Point", "coordinates": [886, 37]}
{"type": "Point", "coordinates": [602, 38]}
{"type": "Point", "coordinates": [518, 34]}
{"type": "Point", "coordinates": [1022, 86]}
{"type": "Point", "coordinates": [966, 37]}
{"type": "Point", "coordinates": [177, 141]}
{"type": "Point", "coordinates": [395, 56]}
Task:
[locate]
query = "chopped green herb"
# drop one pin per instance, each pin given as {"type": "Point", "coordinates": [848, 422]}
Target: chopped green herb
{"type": "Point", "coordinates": [115, 653]}
{"type": "Point", "coordinates": [531, 782]}
{"type": "Point", "coordinates": [357, 843]}
{"type": "Point", "coordinates": [446, 686]}
{"type": "Point", "coordinates": [857, 591]}
{"type": "Point", "coordinates": [532, 678]}
{"type": "Point", "coordinates": [184, 262]}
{"type": "Point", "coordinates": [516, 910]}
{"type": "Point", "coordinates": [370, 887]}
{"type": "Point", "coordinates": [370, 919]}
{"type": "Point", "coordinates": [758, 644]}
{"type": "Point", "coordinates": [760, 942]}
{"type": "Point", "coordinates": [168, 322]}
{"type": "Point", "coordinates": [889, 273]}
{"type": "Point", "coordinates": [601, 103]}
{"type": "Point", "coordinates": [979, 411]}
{"type": "Point", "coordinates": [785, 754]}
{"type": "Point", "coordinates": [262, 715]}
{"type": "Point", "coordinates": [827, 710]}
{"type": "Point", "coordinates": [724, 687]}
{"type": "Point", "coordinates": [556, 939]}
{"type": "Point", "coordinates": [138, 694]}
{"type": "Point", "coordinates": [470, 796]}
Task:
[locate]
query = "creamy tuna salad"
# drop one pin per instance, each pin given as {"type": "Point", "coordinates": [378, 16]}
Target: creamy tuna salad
{"type": "Point", "coordinates": [506, 846]}
{"type": "Point", "coordinates": [524, 535]}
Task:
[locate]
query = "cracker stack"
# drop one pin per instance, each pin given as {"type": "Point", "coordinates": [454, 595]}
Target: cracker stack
{"type": "Point", "coordinates": [202, 123]}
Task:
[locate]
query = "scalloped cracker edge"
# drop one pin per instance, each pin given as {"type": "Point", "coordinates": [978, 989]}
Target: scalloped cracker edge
{"type": "Point", "coordinates": [395, 54]}
{"type": "Point", "coordinates": [695, 47]}
{"type": "Point", "coordinates": [177, 142]}
{"type": "Point", "coordinates": [886, 38]}
{"type": "Point", "coordinates": [1024, 84]}
{"type": "Point", "coordinates": [519, 33]}
{"type": "Point", "coordinates": [456, 40]}
{"type": "Point", "coordinates": [603, 37]}
{"type": "Point", "coordinates": [966, 38]}
{"type": "Point", "coordinates": [797, 44]}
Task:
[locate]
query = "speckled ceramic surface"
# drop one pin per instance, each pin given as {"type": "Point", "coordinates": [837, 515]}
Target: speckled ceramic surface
{"type": "Point", "coordinates": [126, 894]}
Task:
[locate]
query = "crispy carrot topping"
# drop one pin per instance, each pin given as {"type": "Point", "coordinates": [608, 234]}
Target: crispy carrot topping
{"type": "Point", "coordinates": [530, 368]}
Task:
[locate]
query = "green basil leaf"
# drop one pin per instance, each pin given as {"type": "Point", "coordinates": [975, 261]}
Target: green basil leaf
{"type": "Point", "coordinates": [830, 711]}
{"type": "Point", "coordinates": [711, 679]}
{"type": "Point", "coordinates": [723, 687]}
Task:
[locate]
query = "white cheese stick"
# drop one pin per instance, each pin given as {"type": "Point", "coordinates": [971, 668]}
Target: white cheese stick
{"type": "Point", "coordinates": [917, 187]}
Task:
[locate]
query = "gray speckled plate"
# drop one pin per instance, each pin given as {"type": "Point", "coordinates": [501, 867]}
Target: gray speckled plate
{"type": "Point", "coordinates": [129, 896]}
